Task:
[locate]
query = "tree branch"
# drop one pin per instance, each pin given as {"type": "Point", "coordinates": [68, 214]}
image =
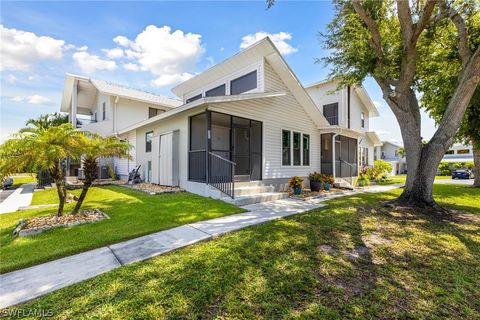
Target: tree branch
{"type": "Point", "coordinates": [372, 27]}
{"type": "Point", "coordinates": [424, 20]}
{"type": "Point", "coordinates": [462, 33]}
{"type": "Point", "coordinates": [469, 81]}
{"type": "Point", "coordinates": [406, 23]}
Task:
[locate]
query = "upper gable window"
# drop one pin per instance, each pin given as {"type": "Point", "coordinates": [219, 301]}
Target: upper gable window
{"type": "Point", "coordinates": [218, 91]}
{"type": "Point", "coordinates": [362, 119]}
{"type": "Point", "coordinates": [152, 112]}
{"type": "Point", "coordinates": [330, 111]}
{"type": "Point", "coordinates": [244, 83]}
{"type": "Point", "coordinates": [198, 96]}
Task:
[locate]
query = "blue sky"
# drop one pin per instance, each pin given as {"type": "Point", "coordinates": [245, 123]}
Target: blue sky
{"type": "Point", "coordinates": [41, 41]}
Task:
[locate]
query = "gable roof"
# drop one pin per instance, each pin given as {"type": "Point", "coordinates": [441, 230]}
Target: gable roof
{"type": "Point", "coordinates": [263, 49]}
{"type": "Point", "coordinates": [361, 92]}
{"type": "Point", "coordinates": [115, 90]}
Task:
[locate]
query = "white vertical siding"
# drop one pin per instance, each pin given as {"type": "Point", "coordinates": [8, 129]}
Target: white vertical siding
{"type": "Point", "coordinates": [277, 114]}
{"type": "Point", "coordinates": [124, 166]}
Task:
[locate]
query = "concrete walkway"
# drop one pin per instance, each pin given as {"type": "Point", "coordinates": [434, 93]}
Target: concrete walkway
{"type": "Point", "coordinates": [30, 283]}
{"type": "Point", "coordinates": [21, 197]}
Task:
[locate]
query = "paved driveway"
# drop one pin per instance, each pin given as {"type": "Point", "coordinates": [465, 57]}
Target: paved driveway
{"type": "Point", "coordinates": [454, 181]}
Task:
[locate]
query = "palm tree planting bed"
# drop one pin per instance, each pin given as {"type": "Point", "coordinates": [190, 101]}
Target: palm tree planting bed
{"type": "Point", "coordinates": [36, 225]}
{"type": "Point", "coordinates": [152, 188]}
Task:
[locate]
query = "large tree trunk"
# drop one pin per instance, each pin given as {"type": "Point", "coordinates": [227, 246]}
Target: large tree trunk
{"type": "Point", "coordinates": [476, 163]}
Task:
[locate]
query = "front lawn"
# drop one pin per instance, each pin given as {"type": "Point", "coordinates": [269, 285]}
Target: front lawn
{"type": "Point", "coordinates": [18, 180]}
{"type": "Point", "coordinates": [406, 266]}
{"type": "Point", "coordinates": [401, 178]}
{"type": "Point", "coordinates": [132, 214]}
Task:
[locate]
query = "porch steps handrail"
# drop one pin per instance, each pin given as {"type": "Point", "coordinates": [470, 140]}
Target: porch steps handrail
{"type": "Point", "coordinates": [221, 174]}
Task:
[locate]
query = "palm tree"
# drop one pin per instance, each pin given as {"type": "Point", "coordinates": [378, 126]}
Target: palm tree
{"type": "Point", "coordinates": [44, 121]}
{"type": "Point", "coordinates": [44, 148]}
{"type": "Point", "coordinates": [97, 147]}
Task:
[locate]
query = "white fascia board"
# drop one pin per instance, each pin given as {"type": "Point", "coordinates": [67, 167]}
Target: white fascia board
{"type": "Point", "coordinates": [200, 102]}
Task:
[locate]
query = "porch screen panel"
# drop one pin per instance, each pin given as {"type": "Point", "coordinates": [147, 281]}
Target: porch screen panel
{"type": "Point", "coordinates": [256, 150]}
{"type": "Point", "coordinates": [198, 148]}
{"type": "Point", "coordinates": [326, 154]}
{"type": "Point", "coordinates": [352, 154]}
{"type": "Point", "coordinates": [221, 134]}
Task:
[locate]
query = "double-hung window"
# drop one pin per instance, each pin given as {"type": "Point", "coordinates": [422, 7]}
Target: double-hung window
{"type": "Point", "coordinates": [296, 147]}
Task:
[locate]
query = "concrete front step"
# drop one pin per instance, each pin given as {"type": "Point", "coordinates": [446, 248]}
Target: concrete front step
{"type": "Point", "coordinates": [249, 190]}
{"type": "Point", "coordinates": [256, 198]}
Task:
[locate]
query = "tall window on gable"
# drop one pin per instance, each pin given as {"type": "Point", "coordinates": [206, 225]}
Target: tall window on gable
{"type": "Point", "coordinates": [297, 149]}
{"type": "Point", "coordinates": [330, 111]}
{"type": "Point", "coordinates": [104, 111]}
{"type": "Point", "coordinates": [244, 83]}
{"type": "Point", "coordinates": [286, 147]}
{"type": "Point", "coordinates": [218, 91]}
{"type": "Point", "coordinates": [306, 150]}
{"type": "Point", "coordinates": [362, 119]}
{"type": "Point", "coordinates": [148, 141]}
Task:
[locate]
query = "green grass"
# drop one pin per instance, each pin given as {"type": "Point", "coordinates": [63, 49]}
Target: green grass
{"type": "Point", "coordinates": [132, 214]}
{"type": "Point", "coordinates": [18, 180]}
{"type": "Point", "coordinates": [417, 268]}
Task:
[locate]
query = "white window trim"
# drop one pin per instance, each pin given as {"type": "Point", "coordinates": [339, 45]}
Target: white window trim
{"type": "Point", "coordinates": [291, 165]}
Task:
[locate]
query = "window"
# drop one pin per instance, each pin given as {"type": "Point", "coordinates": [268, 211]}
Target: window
{"type": "Point", "coordinates": [463, 151]}
{"type": "Point", "coordinates": [148, 141]}
{"type": "Point", "coordinates": [383, 155]}
{"type": "Point", "coordinates": [330, 111]}
{"type": "Point", "coordinates": [218, 91]}
{"type": "Point", "coordinates": [286, 147]}
{"type": "Point", "coordinates": [244, 83]}
{"type": "Point", "coordinates": [104, 111]}
{"type": "Point", "coordinates": [152, 112]}
{"type": "Point", "coordinates": [363, 156]}
{"type": "Point", "coordinates": [296, 148]}
{"type": "Point", "coordinates": [198, 96]}
{"type": "Point", "coordinates": [450, 152]}
{"type": "Point", "coordinates": [148, 175]}
{"type": "Point", "coordinates": [362, 119]}
{"type": "Point", "coordinates": [306, 150]}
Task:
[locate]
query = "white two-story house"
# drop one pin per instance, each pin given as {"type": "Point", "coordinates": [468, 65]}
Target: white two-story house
{"type": "Point", "coordinates": [389, 152]}
{"type": "Point", "coordinates": [105, 108]}
{"type": "Point", "coordinates": [247, 125]}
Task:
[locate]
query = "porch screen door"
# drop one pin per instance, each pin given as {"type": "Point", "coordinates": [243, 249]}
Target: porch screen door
{"type": "Point", "coordinates": [241, 150]}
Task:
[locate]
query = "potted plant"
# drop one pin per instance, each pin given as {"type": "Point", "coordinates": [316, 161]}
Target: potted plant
{"type": "Point", "coordinates": [315, 181]}
{"type": "Point", "coordinates": [327, 181]}
{"type": "Point", "coordinates": [296, 184]}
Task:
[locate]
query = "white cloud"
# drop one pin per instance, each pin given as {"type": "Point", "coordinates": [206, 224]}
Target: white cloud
{"type": "Point", "coordinates": [89, 63]}
{"type": "Point", "coordinates": [20, 50]}
{"type": "Point", "coordinates": [279, 39]}
{"type": "Point", "coordinates": [167, 54]}
{"type": "Point", "coordinates": [169, 79]}
{"type": "Point", "coordinates": [131, 66]}
{"type": "Point", "coordinates": [122, 40]}
{"type": "Point", "coordinates": [34, 99]}
{"type": "Point", "coordinates": [114, 53]}
{"type": "Point", "coordinates": [11, 79]}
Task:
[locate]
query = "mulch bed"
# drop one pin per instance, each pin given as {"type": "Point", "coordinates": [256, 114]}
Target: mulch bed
{"type": "Point", "coordinates": [307, 194]}
{"type": "Point", "coordinates": [152, 188]}
{"type": "Point", "coordinates": [36, 225]}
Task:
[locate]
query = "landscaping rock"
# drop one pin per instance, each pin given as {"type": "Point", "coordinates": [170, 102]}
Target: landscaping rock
{"type": "Point", "coordinates": [152, 188]}
{"type": "Point", "coordinates": [39, 224]}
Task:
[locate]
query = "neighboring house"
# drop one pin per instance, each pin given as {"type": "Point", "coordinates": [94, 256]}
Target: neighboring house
{"type": "Point", "coordinates": [459, 153]}
{"type": "Point", "coordinates": [389, 152]}
{"type": "Point", "coordinates": [249, 120]}
{"type": "Point", "coordinates": [101, 107]}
